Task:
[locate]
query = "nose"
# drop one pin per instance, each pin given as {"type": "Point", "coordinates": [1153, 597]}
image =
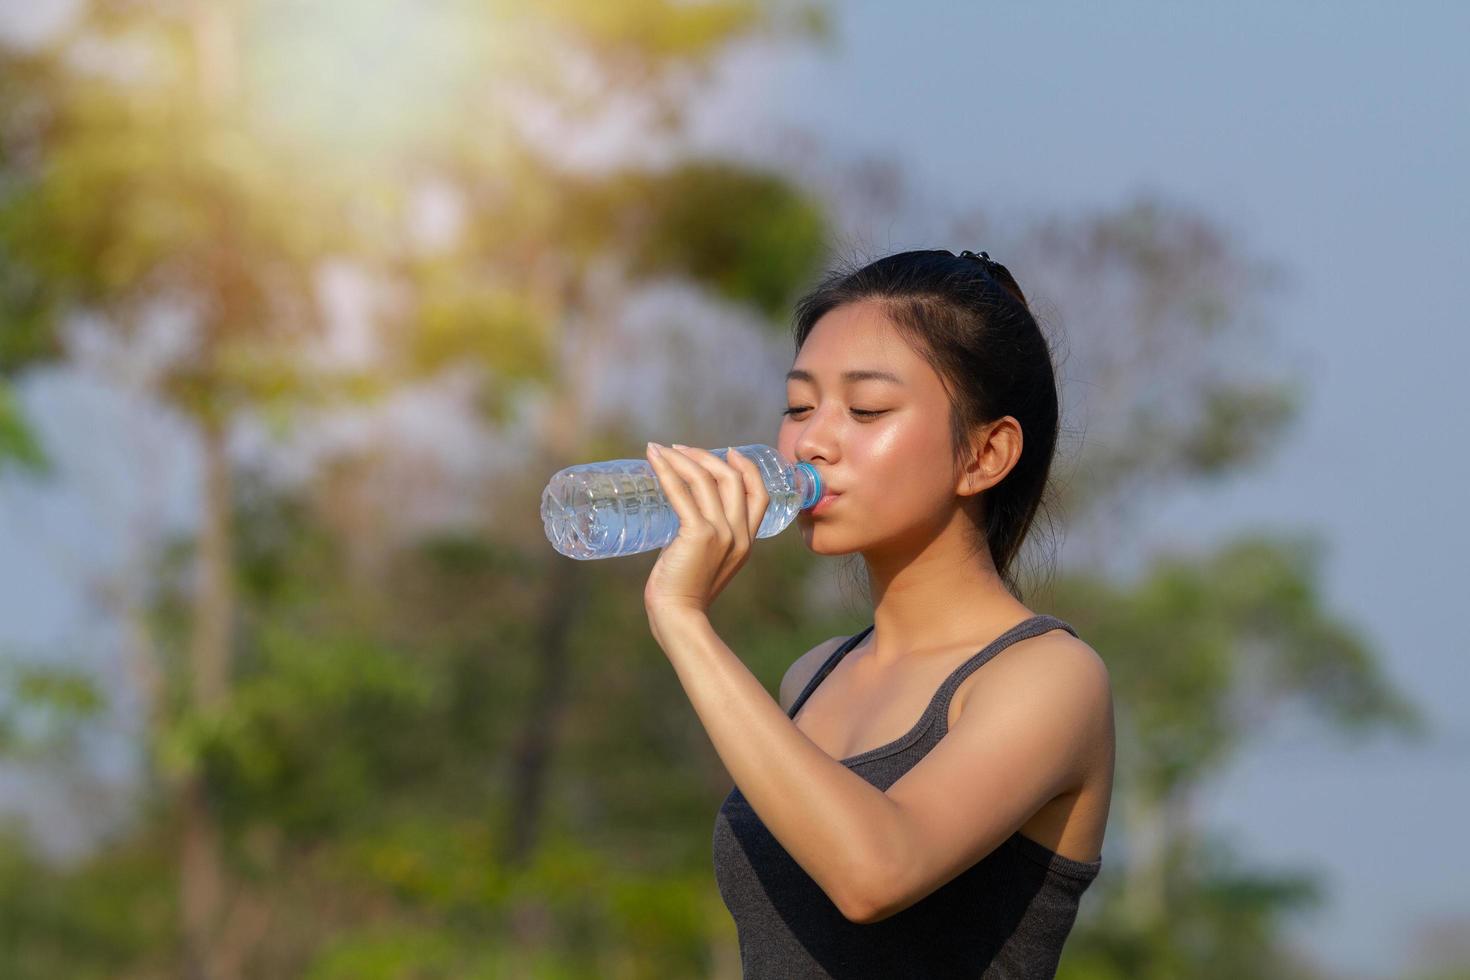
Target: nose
{"type": "Point", "coordinates": [815, 440]}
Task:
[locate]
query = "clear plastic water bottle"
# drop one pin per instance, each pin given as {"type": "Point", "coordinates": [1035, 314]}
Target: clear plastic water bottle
{"type": "Point", "coordinates": [616, 507]}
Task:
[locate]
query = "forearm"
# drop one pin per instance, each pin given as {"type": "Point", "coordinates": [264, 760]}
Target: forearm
{"type": "Point", "coordinates": [832, 822]}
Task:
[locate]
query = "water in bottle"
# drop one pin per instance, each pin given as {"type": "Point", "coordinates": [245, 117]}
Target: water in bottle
{"type": "Point", "coordinates": [616, 507]}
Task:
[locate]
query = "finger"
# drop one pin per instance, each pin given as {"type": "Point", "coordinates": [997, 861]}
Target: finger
{"type": "Point", "coordinates": [709, 510]}
{"type": "Point", "coordinates": [757, 497]}
{"type": "Point", "coordinates": [730, 485]}
{"type": "Point", "coordinates": [706, 491]}
{"type": "Point", "coordinates": [672, 485]}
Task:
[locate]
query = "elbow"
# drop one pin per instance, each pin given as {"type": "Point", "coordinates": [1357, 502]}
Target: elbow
{"type": "Point", "coordinates": [868, 904]}
{"type": "Point", "coordinates": [864, 916]}
{"type": "Point", "coordinates": [872, 875]}
{"type": "Point", "coordinates": [877, 887]}
{"type": "Point", "coordinates": [861, 913]}
{"type": "Point", "coordinates": [867, 912]}
{"type": "Point", "coordinates": [853, 902]}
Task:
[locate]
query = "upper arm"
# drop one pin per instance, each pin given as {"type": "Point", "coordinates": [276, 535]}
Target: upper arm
{"type": "Point", "coordinates": [1021, 741]}
{"type": "Point", "coordinates": [803, 669]}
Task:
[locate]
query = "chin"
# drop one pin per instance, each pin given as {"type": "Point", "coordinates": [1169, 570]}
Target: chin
{"type": "Point", "coordinates": [820, 543]}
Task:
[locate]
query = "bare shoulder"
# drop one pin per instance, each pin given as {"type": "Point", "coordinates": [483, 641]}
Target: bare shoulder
{"type": "Point", "coordinates": [1070, 648]}
{"type": "Point", "coordinates": [1060, 656]}
{"type": "Point", "coordinates": [804, 668]}
{"type": "Point", "coordinates": [1054, 664]}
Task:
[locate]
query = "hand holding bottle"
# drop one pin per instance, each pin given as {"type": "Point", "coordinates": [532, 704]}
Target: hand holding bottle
{"type": "Point", "coordinates": [719, 511]}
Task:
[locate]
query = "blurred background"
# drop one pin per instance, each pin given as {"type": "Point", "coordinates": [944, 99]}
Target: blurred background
{"type": "Point", "coordinates": [303, 301]}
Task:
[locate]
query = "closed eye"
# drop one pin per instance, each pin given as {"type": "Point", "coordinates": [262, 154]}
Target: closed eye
{"type": "Point", "coordinates": [856, 411]}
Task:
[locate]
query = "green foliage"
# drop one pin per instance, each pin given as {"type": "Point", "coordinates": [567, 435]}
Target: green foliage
{"type": "Point", "coordinates": [1454, 971]}
{"type": "Point", "coordinates": [1237, 421]}
{"type": "Point", "coordinates": [313, 732]}
{"type": "Point", "coordinates": [1202, 647]}
{"type": "Point", "coordinates": [497, 326]}
{"type": "Point", "coordinates": [26, 318]}
{"type": "Point", "coordinates": [113, 913]}
{"type": "Point", "coordinates": [1224, 920]}
{"type": "Point", "coordinates": [401, 952]}
{"type": "Point", "coordinates": [639, 34]}
{"type": "Point", "coordinates": [17, 443]}
{"type": "Point", "coordinates": [751, 238]}
{"type": "Point", "coordinates": [43, 707]}
{"type": "Point", "coordinates": [145, 186]}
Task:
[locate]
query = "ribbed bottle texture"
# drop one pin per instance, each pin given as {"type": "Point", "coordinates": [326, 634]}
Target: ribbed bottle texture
{"type": "Point", "coordinates": [615, 507]}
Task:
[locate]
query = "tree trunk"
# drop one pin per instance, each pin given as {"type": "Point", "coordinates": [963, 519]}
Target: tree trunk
{"type": "Point", "coordinates": [591, 301]}
{"type": "Point", "coordinates": [201, 880]}
{"type": "Point", "coordinates": [534, 748]}
{"type": "Point", "coordinates": [532, 756]}
{"type": "Point", "coordinates": [202, 877]}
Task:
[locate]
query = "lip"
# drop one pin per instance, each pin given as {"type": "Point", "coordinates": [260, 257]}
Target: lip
{"type": "Point", "coordinates": [824, 503]}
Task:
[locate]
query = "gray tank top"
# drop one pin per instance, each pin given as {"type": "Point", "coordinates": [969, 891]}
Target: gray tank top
{"type": "Point", "coordinates": [1006, 916]}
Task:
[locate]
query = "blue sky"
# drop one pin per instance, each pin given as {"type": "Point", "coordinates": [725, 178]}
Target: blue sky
{"type": "Point", "coordinates": [1332, 138]}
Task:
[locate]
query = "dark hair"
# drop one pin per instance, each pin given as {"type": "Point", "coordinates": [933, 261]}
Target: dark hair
{"type": "Point", "coordinates": [968, 318]}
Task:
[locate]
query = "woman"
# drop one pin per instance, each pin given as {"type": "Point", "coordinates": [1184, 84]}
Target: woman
{"type": "Point", "coordinates": [859, 842]}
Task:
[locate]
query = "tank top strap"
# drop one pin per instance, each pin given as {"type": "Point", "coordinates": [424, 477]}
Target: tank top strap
{"type": "Point", "coordinates": [831, 662]}
{"type": "Point", "coordinates": [1023, 630]}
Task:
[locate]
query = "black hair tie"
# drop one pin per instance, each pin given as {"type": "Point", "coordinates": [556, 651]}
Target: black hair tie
{"type": "Point", "coordinates": [997, 272]}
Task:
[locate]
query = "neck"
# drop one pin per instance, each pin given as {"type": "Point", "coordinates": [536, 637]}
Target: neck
{"type": "Point", "coordinates": [936, 595]}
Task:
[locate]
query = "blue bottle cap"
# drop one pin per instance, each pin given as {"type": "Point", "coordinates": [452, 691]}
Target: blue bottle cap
{"type": "Point", "coordinates": [816, 484]}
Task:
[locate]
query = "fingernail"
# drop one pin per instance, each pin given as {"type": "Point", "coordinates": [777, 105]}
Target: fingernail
{"type": "Point", "coordinates": [653, 446]}
{"type": "Point", "coordinates": [679, 446]}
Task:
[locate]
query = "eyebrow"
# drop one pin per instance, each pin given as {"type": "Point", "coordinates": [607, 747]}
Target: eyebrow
{"type": "Point", "coordinates": [797, 374]}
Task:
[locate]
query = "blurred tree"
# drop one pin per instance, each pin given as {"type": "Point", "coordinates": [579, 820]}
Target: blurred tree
{"type": "Point", "coordinates": [193, 155]}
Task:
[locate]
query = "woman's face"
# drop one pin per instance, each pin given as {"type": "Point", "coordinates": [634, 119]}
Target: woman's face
{"type": "Point", "coordinates": [893, 470]}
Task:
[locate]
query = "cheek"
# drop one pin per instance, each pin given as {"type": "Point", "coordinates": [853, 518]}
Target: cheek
{"type": "Point", "coordinates": [898, 452]}
{"type": "Point", "coordinates": [908, 464]}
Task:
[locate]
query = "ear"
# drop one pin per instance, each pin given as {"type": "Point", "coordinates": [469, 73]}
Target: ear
{"type": "Point", "coordinates": [993, 452]}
